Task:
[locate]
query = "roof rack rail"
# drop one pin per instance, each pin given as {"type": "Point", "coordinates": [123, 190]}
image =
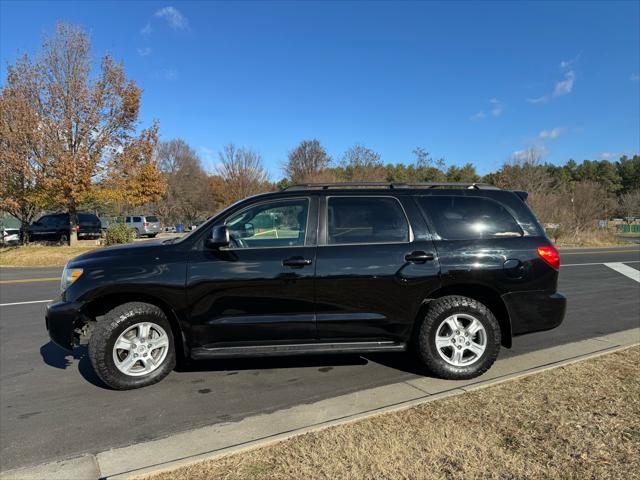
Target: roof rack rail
{"type": "Point", "coordinates": [389, 185]}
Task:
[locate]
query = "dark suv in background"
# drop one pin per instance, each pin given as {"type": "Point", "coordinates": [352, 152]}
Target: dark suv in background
{"type": "Point", "coordinates": [57, 226]}
{"type": "Point", "coordinates": [448, 271]}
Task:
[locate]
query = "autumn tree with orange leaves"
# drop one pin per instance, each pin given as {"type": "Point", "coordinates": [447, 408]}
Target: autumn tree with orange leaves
{"type": "Point", "coordinates": [78, 134]}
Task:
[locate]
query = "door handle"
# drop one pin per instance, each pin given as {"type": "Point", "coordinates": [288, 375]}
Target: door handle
{"type": "Point", "coordinates": [296, 262]}
{"type": "Point", "coordinates": [418, 257]}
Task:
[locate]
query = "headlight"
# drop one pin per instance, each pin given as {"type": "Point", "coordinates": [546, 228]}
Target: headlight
{"type": "Point", "coordinates": [69, 275]}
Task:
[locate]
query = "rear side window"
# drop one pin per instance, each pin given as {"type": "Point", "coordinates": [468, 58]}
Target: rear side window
{"type": "Point", "coordinates": [366, 220]}
{"type": "Point", "coordinates": [469, 218]}
{"type": "Point", "coordinates": [137, 219]}
{"type": "Point", "coordinates": [87, 218]}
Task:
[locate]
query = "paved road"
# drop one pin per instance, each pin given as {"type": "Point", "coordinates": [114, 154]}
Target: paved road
{"type": "Point", "coordinates": [52, 405]}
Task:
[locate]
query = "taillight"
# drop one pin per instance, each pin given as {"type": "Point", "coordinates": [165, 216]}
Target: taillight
{"type": "Point", "coordinates": [146, 224]}
{"type": "Point", "coordinates": [550, 255]}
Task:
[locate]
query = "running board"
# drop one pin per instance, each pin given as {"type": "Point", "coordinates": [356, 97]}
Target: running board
{"type": "Point", "coordinates": [297, 349]}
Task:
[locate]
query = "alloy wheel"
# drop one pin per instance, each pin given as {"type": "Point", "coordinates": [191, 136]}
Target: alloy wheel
{"type": "Point", "coordinates": [461, 339]}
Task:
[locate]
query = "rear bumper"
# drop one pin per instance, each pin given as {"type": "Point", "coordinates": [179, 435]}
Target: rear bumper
{"type": "Point", "coordinates": [534, 311]}
{"type": "Point", "coordinates": [62, 319]}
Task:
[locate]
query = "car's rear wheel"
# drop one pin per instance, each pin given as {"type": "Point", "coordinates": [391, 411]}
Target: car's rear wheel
{"type": "Point", "coordinates": [459, 338]}
{"type": "Point", "coordinates": [132, 346]}
{"type": "Point", "coordinates": [137, 233]}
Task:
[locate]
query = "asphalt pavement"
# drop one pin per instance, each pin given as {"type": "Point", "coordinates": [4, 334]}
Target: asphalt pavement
{"type": "Point", "coordinates": [53, 406]}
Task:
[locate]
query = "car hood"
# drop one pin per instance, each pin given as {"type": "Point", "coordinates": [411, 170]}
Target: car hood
{"type": "Point", "coordinates": [150, 247]}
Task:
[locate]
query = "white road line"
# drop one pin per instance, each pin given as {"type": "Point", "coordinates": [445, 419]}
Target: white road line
{"type": "Point", "coordinates": [596, 263]}
{"type": "Point", "coordinates": [625, 270]}
{"type": "Point", "coordinates": [23, 303]}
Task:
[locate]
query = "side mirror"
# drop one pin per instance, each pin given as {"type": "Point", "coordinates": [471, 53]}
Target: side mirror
{"type": "Point", "coordinates": [219, 237]}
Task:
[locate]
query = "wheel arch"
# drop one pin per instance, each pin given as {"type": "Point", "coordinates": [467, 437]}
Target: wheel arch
{"type": "Point", "coordinates": [101, 305]}
{"type": "Point", "coordinates": [486, 295]}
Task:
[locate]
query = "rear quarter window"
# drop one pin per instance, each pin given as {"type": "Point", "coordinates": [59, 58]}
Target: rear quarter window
{"type": "Point", "coordinates": [468, 218]}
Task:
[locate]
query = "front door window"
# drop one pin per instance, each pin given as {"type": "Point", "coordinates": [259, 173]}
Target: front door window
{"type": "Point", "coordinates": [281, 223]}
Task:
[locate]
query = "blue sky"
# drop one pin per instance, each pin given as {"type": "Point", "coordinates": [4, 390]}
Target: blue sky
{"type": "Point", "coordinates": [470, 82]}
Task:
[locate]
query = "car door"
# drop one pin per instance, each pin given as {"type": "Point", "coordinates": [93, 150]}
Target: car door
{"type": "Point", "coordinates": [373, 267]}
{"type": "Point", "coordinates": [60, 227]}
{"type": "Point", "coordinates": [260, 289]}
{"type": "Point", "coordinates": [42, 229]}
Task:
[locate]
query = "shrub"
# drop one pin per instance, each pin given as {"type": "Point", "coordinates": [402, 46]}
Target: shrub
{"type": "Point", "coordinates": [118, 233]}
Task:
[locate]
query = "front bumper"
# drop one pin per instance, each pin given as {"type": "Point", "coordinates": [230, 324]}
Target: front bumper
{"type": "Point", "coordinates": [62, 320]}
{"type": "Point", "coordinates": [534, 311]}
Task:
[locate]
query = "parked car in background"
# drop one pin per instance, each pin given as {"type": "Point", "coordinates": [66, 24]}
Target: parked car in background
{"type": "Point", "coordinates": [105, 222]}
{"type": "Point", "coordinates": [56, 227]}
{"type": "Point", "coordinates": [9, 236]}
{"type": "Point", "coordinates": [144, 225]}
{"type": "Point", "coordinates": [449, 271]}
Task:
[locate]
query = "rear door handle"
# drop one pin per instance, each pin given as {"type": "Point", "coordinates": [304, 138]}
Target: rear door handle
{"type": "Point", "coordinates": [296, 262]}
{"type": "Point", "coordinates": [418, 257]}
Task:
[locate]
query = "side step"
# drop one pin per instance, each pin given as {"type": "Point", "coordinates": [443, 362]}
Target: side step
{"type": "Point", "coordinates": [297, 349]}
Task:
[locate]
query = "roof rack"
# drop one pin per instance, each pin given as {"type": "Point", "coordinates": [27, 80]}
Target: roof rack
{"type": "Point", "coordinates": [389, 185]}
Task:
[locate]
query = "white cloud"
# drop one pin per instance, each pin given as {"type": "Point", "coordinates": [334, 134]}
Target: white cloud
{"type": "Point", "coordinates": [635, 77]}
{"type": "Point", "coordinates": [519, 155]}
{"type": "Point", "coordinates": [537, 100]}
{"type": "Point", "coordinates": [565, 86]}
{"type": "Point", "coordinates": [532, 154]}
{"type": "Point", "coordinates": [170, 74]}
{"type": "Point", "coordinates": [143, 52]}
{"type": "Point", "coordinates": [562, 87]}
{"type": "Point", "coordinates": [497, 107]}
{"type": "Point", "coordinates": [146, 30]}
{"type": "Point", "coordinates": [175, 19]}
{"type": "Point", "coordinates": [551, 134]}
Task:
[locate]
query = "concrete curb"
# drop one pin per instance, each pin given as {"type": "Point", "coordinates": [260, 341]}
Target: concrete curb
{"type": "Point", "coordinates": [226, 438]}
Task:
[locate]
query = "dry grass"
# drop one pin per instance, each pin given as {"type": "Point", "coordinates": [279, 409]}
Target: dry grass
{"type": "Point", "coordinates": [41, 255]}
{"type": "Point", "coordinates": [577, 422]}
{"type": "Point", "coordinates": [590, 238]}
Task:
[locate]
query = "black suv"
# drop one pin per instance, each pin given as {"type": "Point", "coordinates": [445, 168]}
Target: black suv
{"type": "Point", "coordinates": [449, 271]}
{"type": "Point", "coordinates": [57, 226]}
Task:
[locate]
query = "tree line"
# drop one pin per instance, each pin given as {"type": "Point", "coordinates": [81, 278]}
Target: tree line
{"type": "Point", "coordinates": [72, 141]}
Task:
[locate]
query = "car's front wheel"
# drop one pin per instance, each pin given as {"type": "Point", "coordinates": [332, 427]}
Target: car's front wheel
{"type": "Point", "coordinates": [459, 338]}
{"type": "Point", "coordinates": [132, 346]}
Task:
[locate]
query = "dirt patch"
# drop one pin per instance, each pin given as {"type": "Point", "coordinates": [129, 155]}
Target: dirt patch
{"type": "Point", "coordinates": [575, 422]}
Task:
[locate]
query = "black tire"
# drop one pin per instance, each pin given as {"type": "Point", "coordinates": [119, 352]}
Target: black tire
{"type": "Point", "coordinates": [106, 332]}
{"type": "Point", "coordinates": [438, 311]}
{"type": "Point", "coordinates": [137, 232]}
{"type": "Point", "coordinates": [153, 235]}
